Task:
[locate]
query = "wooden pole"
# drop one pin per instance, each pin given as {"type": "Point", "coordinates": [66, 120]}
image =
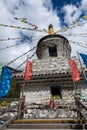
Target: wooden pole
{"type": "Point", "coordinates": [23, 88]}
{"type": "Point", "coordinates": [73, 82]}
{"type": "Point", "coordinates": [22, 106]}
{"type": "Point", "coordinates": [75, 87]}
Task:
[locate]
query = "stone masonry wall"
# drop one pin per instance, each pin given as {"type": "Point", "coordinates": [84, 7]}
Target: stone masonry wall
{"type": "Point", "coordinates": [52, 65]}
{"type": "Point", "coordinates": [38, 104]}
{"type": "Point", "coordinates": [42, 95]}
{"type": "Point", "coordinates": [63, 48]}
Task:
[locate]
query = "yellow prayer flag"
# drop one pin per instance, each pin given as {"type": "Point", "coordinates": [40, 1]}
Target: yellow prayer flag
{"type": "Point", "coordinates": [85, 17]}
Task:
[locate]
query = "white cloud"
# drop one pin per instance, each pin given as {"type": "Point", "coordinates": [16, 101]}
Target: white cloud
{"type": "Point", "coordinates": [37, 12]}
{"type": "Point", "coordinates": [72, 13]}
{"type": "Point", "coordinates": [40, 13]}
{"type": "Point", "coordinates": [84, 6]}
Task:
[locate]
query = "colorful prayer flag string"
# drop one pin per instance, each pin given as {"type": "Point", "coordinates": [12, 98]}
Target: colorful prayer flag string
{"type": "Point", "coordinates": [10, 46]}
{"type": "Point", "coordinates": [17, 44]}
{"type": "Point", "coordinates": [24, 28]}
{"type": "Point", "coordinates": [78, 43]}
{"type": "Point", "coordinates": [25, 60]}
{"type": "Point", "coordinates": [79, 22]}
{"type": "Point", "coordinates": [24, 20]}
{"type": "Point", "coordinates": [20, 56]}
{"type": "Point", "coordinates": [76, 34]}
{"type": "Point", "coordinates": [7, 39]}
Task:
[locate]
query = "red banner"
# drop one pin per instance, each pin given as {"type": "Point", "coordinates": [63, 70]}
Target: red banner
{"type": "Point", "coordinates": [75, 70]}
{"type": "Point", "coordinates": [28, 71]}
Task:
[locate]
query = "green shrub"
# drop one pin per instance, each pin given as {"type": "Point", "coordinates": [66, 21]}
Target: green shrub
{"type": "Point", "coordinates": [15, 90]}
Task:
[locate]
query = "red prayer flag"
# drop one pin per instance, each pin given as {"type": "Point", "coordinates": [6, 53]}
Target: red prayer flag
{"type": "Point", "coordinates": [75, 70]}
{"type": "Point", "coordinates": [28, 71]}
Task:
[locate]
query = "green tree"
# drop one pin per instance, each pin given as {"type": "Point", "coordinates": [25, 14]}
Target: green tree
{"type": "Point", "coordinates": [15, 90]}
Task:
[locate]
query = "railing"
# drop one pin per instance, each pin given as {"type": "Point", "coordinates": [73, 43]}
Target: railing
{"type": "Point", "coordinates": [17, 111]}
{"type": "Point", "coordinates": [81, 111]}
{"type": "Point", "coordinates": [80, 106]}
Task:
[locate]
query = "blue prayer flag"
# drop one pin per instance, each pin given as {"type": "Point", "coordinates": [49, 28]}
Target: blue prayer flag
{"type": "Point", "coordinates": [86, 79]}
{"type": "Point", "coordinates": [84, 58]}
{"type": "Point", "coordinates": [5, 83]}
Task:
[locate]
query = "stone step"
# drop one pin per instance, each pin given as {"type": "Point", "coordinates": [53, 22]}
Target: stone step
{"type": "Point", "coordinates": [33, 129]}
{"type": "Point", "coordinates": [18, 129]}
{"type": "Point", "coordinates": [46, 126]}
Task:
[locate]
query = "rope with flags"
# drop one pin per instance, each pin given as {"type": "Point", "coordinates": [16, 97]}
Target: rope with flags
{"type": "Point", "coordinates": [78, 43]}
{"type": "Point", "coordinates": [11, 46]}
{"type": "Point", "coordinates": [7, 39]}
{"type": "Point", "coordinates": [24, 20]}
{"type": "Point", "coordinates": [76, 34]}
{"type": "Point", "coordinates": [1, 49]}
{"type": "Point", "coordinates": [26, 60]}
{"type": "Point", "coordinates": [77, 23]}
{"type": "Point", "coordinates": [24, 28]}
{"type": "Point", "coordinates": [20, 56]}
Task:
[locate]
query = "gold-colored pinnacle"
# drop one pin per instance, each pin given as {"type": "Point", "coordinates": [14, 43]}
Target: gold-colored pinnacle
{"type": "Point", "coordinates": [51, 29]}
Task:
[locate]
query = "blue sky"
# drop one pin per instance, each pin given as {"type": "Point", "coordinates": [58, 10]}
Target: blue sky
{"type": "Point", "coordinates": [61, 13]}
{"type": "Point", "coordinates": [58, 5]}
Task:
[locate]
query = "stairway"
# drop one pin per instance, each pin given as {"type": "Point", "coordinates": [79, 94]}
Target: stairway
{"type": "Point", "coordinates": [45, 124]}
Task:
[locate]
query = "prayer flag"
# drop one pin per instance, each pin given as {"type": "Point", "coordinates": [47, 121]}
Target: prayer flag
{"type": "Point", "coordinates": [5, 83]}
{"type": "Point", "coordinates": [85, 17]}
{"type": "Point", "coordinates": [75, 70]}
{"type": "Point", "coordinates": [1, 65]}
{"type": "Point", "coordinates": [28, 71]}
{"type": "Point", "coordinates": [84, 58]}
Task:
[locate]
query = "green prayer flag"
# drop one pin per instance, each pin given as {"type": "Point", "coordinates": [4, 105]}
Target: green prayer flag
{"type": "Point", "coordinates": [1, 65]}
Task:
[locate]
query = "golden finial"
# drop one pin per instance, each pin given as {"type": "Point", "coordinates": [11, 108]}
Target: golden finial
{"type": "Point", "coordinates": [51, 29]}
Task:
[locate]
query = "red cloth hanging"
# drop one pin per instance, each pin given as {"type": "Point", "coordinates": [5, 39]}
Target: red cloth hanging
{"type": "Point", "coordinates": [28, 71]}
{"type": "Point", "coordinates": [52, 104]}
{"type": "Point", "coordinates": [75, 70]}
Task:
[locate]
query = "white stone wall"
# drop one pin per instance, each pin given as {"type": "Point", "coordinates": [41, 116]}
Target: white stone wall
{"type": "Point", "coordinates": [42, 95]}
{"type": "Point", "coordinates": [37, 94]}
{"type": "Point", "coordinates": [68, 94]}
{"type": "Point", "coordinates": [52, 65]}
